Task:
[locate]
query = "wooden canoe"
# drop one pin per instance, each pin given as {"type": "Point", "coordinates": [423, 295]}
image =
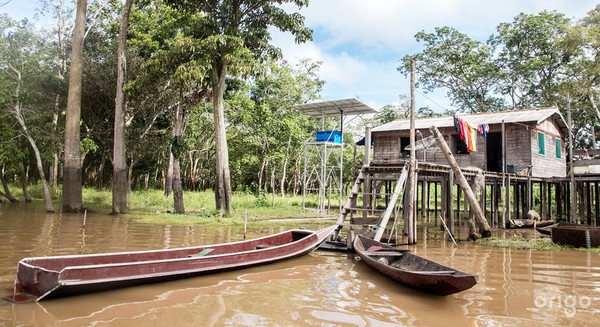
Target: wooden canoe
{"type": "Point", "coordinates": [412, 270]}
{"type": "Point", "coordinates": [577, 236]}
{"type": "Point", "coordinates": [529, 223]}
{"type": "Point", "coordinates": [44, 278]}
{"type": "Point", "coordinates": [547, 230]}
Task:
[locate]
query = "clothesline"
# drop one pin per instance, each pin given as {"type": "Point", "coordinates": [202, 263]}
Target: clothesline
{"type": "Point", "coordinates": [468, 132]}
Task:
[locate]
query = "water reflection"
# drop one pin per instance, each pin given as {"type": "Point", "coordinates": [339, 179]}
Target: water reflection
{"type": "Point", "coordinates": [516, 287]}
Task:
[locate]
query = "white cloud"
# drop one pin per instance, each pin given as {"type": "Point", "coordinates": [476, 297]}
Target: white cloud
{"type": "Point", "coordinates": [361, 42]}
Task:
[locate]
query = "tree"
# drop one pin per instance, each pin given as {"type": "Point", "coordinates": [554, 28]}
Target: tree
{"type": "Point", "coordinates": [459, 64]}
{"type": "Point", "coordinates": [532, 59]}
{"type": "Point", "coordinates": [72, 187]}
{"type": "Point", "coordinates": [267, 130]}
{"type": "Point", "coordinates": [232, 33]}
{"type": "Point", "coordinates": [582, 81]}
{"type": "Point", "coordinates": [21, 63]}
{"type": "Point", "coordinates": [170, 67]}
{"type": "Point", "coordinates": [120, 189]}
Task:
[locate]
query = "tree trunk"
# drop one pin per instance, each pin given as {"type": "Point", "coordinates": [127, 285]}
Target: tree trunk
{"type": "Point", "coordinates": [62, 21]}
{"type": "Point", "coordinates": [72, 189]}
{"type": "Point", "coordinates": [285, 162]}
{"type": "Point", "coordinates": [261, 173]}
{"type": "Point", "coordinates": [40, 167]}
{"type": "Point", "coordinates": [177, 190]}
{"type": "Point", "coordinates": [7, 194]}
{"type": "Point", "coordinates": [54, 171]}
{"type": "Point", "coordinates": [169, 178]}
{"type": "Point", "coordinates": [120, 190]}
{"type": "Point", "coordinates": [273, 187]}
{"type": "Point", "coordinates": [24, 174]}
{"type": "Point", "coordinates": [222, 174]}
{"type": "Point", "coordinates": [176, 149]}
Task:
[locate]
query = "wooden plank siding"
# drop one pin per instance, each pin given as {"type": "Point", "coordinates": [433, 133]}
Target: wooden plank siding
{"type": "Point", "coordinates": [548, 164]}
{"type": "Point", "coordinates": [521, 142]}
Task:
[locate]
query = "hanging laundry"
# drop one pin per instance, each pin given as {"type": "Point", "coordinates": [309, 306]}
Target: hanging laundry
{"type": "Point", "coordinates": [483, 129]}
{"type": "Point", "coordinates": [472, 137]}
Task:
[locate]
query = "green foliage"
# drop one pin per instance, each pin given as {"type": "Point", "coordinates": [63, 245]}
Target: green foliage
{"type": "Point", "coordinates": [464, 67]}
{"type": "Point", "coordinates": [533, 58]}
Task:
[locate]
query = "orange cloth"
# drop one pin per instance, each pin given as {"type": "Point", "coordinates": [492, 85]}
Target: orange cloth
{"type": "Point", "coordinates": [472, 136]}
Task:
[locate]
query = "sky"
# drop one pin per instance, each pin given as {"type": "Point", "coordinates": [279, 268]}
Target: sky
{"type": "Point", "coordinates": [361, 42]}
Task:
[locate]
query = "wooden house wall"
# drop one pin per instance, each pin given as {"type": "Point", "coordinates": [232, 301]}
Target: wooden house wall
{"type": "Point", "coordinates": [521, 141]}
{"type": "Point", "coordinates": [547, 164]}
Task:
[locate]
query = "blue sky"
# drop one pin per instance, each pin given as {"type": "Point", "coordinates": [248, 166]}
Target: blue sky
{"type": "Point", "coordinates": [361, 42]}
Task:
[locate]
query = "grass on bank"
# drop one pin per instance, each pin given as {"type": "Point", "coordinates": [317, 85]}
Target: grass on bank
{"type": "Point", "coordinates": [152, 206]}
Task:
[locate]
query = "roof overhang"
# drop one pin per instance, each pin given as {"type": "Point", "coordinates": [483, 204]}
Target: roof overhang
{"type": "Point", "coordinates": [345, 107]}
{"type": "Point", "coordinates": [532, 116]}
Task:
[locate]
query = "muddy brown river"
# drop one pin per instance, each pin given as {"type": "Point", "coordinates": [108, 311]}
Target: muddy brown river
{"type": "Point", "coordinates": [516, 287]}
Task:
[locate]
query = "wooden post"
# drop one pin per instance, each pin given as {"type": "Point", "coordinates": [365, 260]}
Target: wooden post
{"type": "Point", "coordinates": [597, 202]}
{"type": "Point", "coordinates": [435, 197]}
{"type": "Point", "coordinates": [450, 202]}
{"type": "Point", "coordinates": [480, 220]}
{"type": "Point", "coordinates": [444, 201]}
{"type": "Point", "coordinates": [367, 189]}
{"type": "Point", "coordinates": [411, 184]}
{"type": "Point", "coordinates": [558, 197]}
{"type": "Point", "coordinates": [572, 211]}
{"type": "Point", "coordinates": [424, 199]}
{"type": "Point", "coordinates": [504, 184]}
{"type": "Point", "coordinates": [588, 204]}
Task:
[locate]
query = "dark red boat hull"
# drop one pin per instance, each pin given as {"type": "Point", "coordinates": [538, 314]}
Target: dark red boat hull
{"type": "Point", "coordinates": [576, 235]}
{"type": "Point", "coordinates": [412, 270]}
{"type": "Point", "coordinates": [59, 276]}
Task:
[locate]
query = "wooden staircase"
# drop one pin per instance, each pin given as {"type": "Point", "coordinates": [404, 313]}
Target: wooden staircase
{"type": "Point", "coordinates": [369, 180]}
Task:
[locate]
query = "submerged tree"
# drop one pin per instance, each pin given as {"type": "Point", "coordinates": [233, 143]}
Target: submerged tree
{"type": "Point", "coordinates": [120, 189]}
{"type": "Point", "coordinates": [72, 186]}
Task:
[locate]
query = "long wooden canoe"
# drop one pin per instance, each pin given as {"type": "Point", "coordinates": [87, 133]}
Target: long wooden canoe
{"type": "Point", "coordinates": [44, 278]}
{"type": "Point", "coordinates": [412, 270]}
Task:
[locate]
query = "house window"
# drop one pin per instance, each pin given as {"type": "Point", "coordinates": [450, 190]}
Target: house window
{"type": "Point", "coordinates": [460, 147]}
{"type": "Point", "coordinates": [558, 149]}
{"type": "Point", "coordinates": [541, 144]}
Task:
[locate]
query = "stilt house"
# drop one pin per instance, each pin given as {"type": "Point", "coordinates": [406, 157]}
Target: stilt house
{"type": "Point", "coordinates": [532, 142]}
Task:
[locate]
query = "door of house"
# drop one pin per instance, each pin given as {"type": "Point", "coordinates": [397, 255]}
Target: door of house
{"type": "Point", "coordinates": [494, 152]}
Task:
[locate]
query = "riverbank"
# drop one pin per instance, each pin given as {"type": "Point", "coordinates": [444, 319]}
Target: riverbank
{"type": "Point", "coordinates": [152, 207]}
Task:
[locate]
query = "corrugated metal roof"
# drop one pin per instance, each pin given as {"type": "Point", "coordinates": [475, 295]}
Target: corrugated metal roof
{"type": "Point", "coordinates": [348, 107]}
{"type": "Point", "coordinates": [510, 116]}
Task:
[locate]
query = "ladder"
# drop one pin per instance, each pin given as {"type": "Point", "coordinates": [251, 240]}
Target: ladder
{"type": "Point", "coordinates": [356, 190]}
{"type": "Point", "coordinates": [400, 184]}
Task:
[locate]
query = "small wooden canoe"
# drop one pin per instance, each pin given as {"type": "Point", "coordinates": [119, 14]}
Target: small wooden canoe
{"type": "Point", "coordinates": [412, 270]}
{"type": "Point", "coordinates": [44, 278]}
